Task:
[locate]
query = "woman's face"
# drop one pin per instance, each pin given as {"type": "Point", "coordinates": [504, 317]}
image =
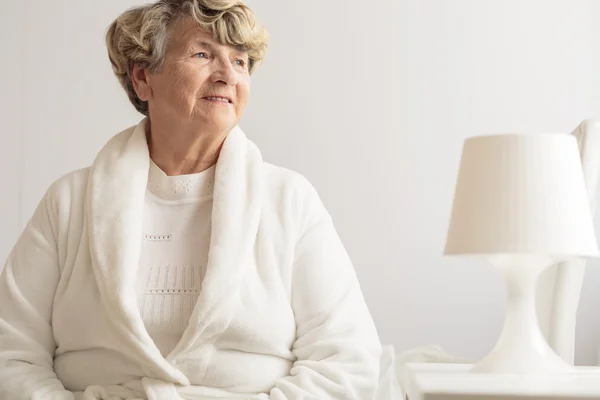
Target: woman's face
{"type": "Point", "coordinates": [202, 81]}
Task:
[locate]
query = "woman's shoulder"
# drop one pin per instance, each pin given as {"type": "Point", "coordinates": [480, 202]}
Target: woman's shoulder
{"type": "Point", "coordinates": [63, 202]}
{"type": "Point", "coordinates": [70, 186]}
{"type": "Point", "coordinates": [291, 190]}
{"type": "Point", "coordinates": [283, 179]}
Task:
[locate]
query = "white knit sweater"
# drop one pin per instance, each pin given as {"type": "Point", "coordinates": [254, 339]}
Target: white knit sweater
{"type": "Point", "coordinates": [176, 238]}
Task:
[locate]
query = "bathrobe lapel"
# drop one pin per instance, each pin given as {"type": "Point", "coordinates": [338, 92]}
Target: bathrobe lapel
{"type": "Point", "coordinates": [115, 206]}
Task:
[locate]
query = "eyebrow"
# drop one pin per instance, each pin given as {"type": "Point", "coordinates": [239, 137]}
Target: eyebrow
{"type": "Point", "coordinates": [206, 44]}
{"type": "Point", "coordinates": [213, 48]}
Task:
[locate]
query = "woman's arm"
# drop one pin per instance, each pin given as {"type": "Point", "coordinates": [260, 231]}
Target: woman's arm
{"type": "Point", "coordinates": [337, 346]}
{"type": "Point", "coordinates": [27, 286]}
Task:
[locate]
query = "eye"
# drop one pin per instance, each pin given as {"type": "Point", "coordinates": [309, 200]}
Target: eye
{"type": "Point", "coordinates": [202, 55]}
{"type": "Point", "coordinates": [240, 62]}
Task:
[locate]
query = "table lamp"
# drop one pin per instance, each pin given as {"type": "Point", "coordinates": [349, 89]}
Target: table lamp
{"type": "Point", "coordinates": [521, 204]}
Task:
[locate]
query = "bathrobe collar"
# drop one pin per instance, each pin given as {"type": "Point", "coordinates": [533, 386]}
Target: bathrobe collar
{"type": "Point", "coordinates": [114, 211]}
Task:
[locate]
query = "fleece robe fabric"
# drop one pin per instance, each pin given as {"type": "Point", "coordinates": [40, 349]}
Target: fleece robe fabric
{"type": "Point", "coordinates": [280, 315]}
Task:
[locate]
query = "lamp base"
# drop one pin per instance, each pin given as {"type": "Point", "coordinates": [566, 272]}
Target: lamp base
{"type": "Point", "coordinates": [522, 348]}
{"type": "Point", "coordinates": [509, 360]}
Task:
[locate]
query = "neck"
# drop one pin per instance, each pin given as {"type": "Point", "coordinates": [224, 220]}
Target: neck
{"type": "Point", "coordinates": [183, 150]}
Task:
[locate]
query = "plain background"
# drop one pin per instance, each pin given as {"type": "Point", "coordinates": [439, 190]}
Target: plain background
{"type": "Point", "coordinates": [370, 100]}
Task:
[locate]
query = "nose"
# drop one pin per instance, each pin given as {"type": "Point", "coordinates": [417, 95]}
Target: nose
{"type": "Point", "coordinates": [224, 73]}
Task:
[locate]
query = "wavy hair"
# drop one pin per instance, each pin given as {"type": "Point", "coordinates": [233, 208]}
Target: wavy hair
{"type": "Point", "coordinates": [140, 35]}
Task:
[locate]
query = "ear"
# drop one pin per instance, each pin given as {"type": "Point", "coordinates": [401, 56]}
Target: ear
{"type": "Point", "coordinates": [141, 82]}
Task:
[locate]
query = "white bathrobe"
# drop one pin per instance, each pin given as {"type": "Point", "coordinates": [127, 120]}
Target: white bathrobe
{"type": "Point", "coordinates": [280, 316]}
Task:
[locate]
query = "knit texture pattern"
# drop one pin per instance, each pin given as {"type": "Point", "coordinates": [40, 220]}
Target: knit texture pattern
{"type": "Point", "coordinates": [176, 238]}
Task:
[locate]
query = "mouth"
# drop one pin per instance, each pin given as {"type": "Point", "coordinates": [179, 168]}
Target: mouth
{"type": "Point", "coordinates": [219, 99]}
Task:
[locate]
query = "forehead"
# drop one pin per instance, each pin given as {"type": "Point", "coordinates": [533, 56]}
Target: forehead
{"type": "Point", "coordinates": [186, 33]}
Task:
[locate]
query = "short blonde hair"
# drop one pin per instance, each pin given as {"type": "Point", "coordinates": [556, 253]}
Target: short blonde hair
{"type": "Point", "coordinates": [141, 35]}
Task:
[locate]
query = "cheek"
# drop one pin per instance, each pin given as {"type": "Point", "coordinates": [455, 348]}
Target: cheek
{"type": "Point", "coordinates": [185, 82]}
{"type": "Point", "coordinates": [243, 92]}
{"type": "Point", "coordinates": [168, 86]}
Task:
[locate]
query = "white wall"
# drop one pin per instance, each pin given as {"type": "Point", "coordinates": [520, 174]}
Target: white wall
{"type": "Point", "coordinates": [371, 101]}
{"type": "Point", "coordinates": [11, 101]}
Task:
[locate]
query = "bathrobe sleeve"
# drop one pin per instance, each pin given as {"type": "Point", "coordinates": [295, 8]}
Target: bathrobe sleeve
{"type": "Point", "coordinates": [337, 346]}
{"type": "Point", "coordinates": [28, 283]}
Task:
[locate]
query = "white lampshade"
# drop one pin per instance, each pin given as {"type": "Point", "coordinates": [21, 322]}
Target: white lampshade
{"type": "Point", "coordinates": [521, 194]}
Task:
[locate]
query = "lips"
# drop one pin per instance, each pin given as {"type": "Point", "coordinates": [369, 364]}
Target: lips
{"type": "Point", "coordinates": [223, 99]}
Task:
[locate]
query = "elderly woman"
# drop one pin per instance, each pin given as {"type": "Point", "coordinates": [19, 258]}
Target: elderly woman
{"type": "Point", "coordinates": [180, 265]}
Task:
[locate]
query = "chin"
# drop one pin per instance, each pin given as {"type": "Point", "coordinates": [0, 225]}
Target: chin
{"type": "Point", "coordinates": [220, 125]}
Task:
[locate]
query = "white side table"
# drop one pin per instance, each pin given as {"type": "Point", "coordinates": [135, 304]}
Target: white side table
{"type": "Point", "coordinates": [454, 382]}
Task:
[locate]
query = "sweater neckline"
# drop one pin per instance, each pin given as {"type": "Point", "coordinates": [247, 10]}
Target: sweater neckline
{"type": "Point", "coordinates": [180, 187]}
